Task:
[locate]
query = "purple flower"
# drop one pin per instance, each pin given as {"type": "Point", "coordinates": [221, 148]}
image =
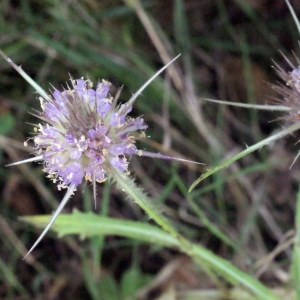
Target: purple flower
{"type": "Point", "coordinates": [290, 90]}
{"type": "Point", "coordinates": [83, 133]}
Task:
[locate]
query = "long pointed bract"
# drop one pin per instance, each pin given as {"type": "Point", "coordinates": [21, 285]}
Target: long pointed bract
{"type": "Point", "coordinates": [37, 87]}
{"type": "Point", "coordinates": [62, 204]}
{"type": "Point", "coordinates": [136, 94]}
{"type": "Point", "coordinates": [162, 156]}
{"type": "Point", "coordinates": [36, 158]}
{"type": "Point", "coordinates": [293, 14]}
{"type": "Point", "coordinates": [253, 106]}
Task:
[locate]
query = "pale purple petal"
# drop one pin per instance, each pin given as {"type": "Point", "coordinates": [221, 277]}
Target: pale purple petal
{"type": "Point", "coordinates": [119, 163]}
{"type": "Point", "coordinates": [80, 140]}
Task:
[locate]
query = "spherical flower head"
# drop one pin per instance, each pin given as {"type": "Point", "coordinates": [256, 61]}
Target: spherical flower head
{"type": "Point", "coordinates": [84, 133]}
{"type": "Point", "coordinates": [290, 90]}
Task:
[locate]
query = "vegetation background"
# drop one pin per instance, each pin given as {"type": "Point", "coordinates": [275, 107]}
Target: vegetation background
{"type": "Point", "coordinates": [244, 213]}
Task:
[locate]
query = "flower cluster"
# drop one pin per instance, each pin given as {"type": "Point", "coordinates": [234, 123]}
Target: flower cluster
{"type": "Point", "coordinates": [84, 132]}
{"type": "Point", "coordinates": [85, 135]}
{"type": "Point", "coordinates": [291, 90]}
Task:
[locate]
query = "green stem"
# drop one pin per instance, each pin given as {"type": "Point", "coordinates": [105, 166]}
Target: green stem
{"type": "Point", "coordinates": [127, 184]}
{"type": "Point", "coordinates": [198, 253]}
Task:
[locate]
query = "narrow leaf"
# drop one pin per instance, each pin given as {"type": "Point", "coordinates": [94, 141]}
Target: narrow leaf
{"type": "Point", "coordinates": [88, 224]}
{"type": "Point", "coordinates": [250, 149]}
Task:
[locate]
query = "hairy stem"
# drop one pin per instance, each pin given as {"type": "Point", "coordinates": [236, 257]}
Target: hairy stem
{"type": "Point", "coordinates": [199, 254]}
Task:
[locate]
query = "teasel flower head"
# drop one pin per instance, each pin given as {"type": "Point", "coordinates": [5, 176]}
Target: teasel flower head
{"type": "Point", "coordinates": [290, 89]}
{"type": "Point", "coordinates": [84, 134]}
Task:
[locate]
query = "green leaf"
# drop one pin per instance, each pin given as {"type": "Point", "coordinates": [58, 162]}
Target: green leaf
{"type": "Point", "coordinates": [88, 224]}
{"type": "Point", "coordinates": [250, 149]}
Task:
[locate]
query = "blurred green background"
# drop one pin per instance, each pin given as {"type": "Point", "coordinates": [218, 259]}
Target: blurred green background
{"type": "Point", "coordinates": [226, 50]}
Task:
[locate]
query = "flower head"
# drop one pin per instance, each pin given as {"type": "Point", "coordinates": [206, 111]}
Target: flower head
{"type": "Point", "coordinates": [84, 132]}
{"type": "Point", "coordinates": [85, 135]}
{"type": "Point", "coordinates": [290, 91]}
